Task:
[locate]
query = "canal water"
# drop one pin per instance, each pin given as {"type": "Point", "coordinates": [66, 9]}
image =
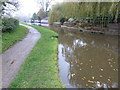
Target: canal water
{"type": "Point", "coordinates": [87, 60]}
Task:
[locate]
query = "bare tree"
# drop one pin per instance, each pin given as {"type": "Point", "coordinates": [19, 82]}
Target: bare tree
{"type": "Point", "coordinates": [44, 4]}
{"type": "Point", "coordinates": [44, 8]}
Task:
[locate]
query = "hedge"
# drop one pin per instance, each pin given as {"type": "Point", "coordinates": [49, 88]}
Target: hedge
{"type": "Point", "coordinates": [9, 24]}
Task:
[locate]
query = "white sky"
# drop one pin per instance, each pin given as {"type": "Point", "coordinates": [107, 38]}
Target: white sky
{"type": "Point", "coordinates": [28, 7]}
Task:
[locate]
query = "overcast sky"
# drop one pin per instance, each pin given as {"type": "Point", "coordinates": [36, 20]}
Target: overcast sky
{"type": "Point", "coordinates": [28, 7]}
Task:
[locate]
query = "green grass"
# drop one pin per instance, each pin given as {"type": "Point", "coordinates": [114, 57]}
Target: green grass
{"type": "Point", "coordinates": [9, 39]}
{"type": "Point", "coordinates": [40, 70]}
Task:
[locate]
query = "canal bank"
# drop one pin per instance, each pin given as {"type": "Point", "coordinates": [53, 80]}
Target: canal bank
{"type": "Point", "coordinates": [111, 29]}
{"type": "Point", "coordinates": [40, 70]}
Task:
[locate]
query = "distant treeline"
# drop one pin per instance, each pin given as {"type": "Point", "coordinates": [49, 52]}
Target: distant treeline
{"type": "Point", "coordinates": [90, 11]}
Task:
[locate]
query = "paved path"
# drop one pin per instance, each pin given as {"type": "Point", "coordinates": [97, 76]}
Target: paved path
{"type": "Point", "coordinates": [13, 58]}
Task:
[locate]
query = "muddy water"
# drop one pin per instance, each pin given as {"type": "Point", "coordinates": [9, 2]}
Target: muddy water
{"type": "Point", "coordinates": [87, 60]}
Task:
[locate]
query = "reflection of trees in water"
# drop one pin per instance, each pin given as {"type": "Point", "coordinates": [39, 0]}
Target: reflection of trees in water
{"type": "Point", "coordinates": [93, 60]}
{"type": "Point", "coordinates": [101, 41]}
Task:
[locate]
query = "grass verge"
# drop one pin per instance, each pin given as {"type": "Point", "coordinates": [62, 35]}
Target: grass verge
{"type": "Point", "coordinates": [9, 39]}
{"type": "Point", "coordinates": [40, 70]}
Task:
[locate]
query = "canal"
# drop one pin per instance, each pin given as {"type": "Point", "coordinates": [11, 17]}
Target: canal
{"type": "Point", "coordinates": [87, 60]}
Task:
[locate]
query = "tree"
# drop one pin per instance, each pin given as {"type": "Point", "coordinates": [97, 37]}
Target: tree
{"type": "Point", "coordinates": [44, 8]}
{"type": "Point", "coordinates": [34, 17]}
{"type": "Point", "coordinates": [8, 7]}
{"type": "Point", "coordinates": [94, 12]}
{"type": "Point", "coordinates": [44, 4]}
{"type": "Point", "coordinates": [42, 14]}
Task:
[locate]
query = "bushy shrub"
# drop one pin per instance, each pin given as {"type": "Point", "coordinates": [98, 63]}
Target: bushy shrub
{"type": "Point", "coordinates": [9, 24]}
{"type": "Point", "coordinates": [70, 20]}
{"type": "Point", "coordinates": [104, 20]}
{"type": "Point", "coordinates": [62, 20]}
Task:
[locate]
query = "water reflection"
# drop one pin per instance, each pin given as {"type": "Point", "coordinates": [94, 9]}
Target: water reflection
{"type": "Point", "coordinates": [86, 60]}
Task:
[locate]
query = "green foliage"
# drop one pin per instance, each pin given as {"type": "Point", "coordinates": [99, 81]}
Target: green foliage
{"type": "Point", "coordinates": [85, 11]}
{"type": "Point", "coordinates": [9, 39]}
{"type": "Point", "coordinates": [9, 24]}
{"type": "Point", "coordinates": [40, 70]}
{"type": "Point", "coordinates": [62, 20]}
{"type": "Point", "coordinates": [34, 17]}
{"type": "Point", "coordinates": [104, 20]}
{"type": "Point", "coordinates": [56, 13]}
{"type": "Point", "coordinates": [42, 14]}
